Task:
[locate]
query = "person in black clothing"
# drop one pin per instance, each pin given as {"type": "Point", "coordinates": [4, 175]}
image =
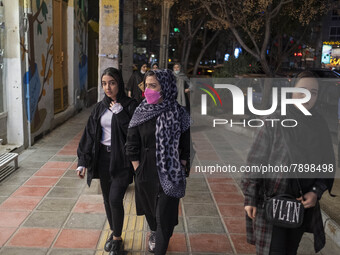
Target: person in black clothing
{"type": "Point", "coordinates": [308, 146]}
{"type": "Point", "coordinates": [101, 152]}
{"type": "Point", "coordinates": [136, 78]}
{"type": "Point", "coordinates": [158, 144]}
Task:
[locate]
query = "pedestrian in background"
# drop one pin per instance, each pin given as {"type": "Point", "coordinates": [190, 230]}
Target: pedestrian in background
{"type": "Point", "coordinates": [183, 86]}
{"type": "Point", "coordinates": [307, 143]}
{"type": "Point", "coordinates": [155, 66]}
{"type": "Point", "coordinates": [158, 144]}
{"type": "Point", "coordinates": [135, 91]}
{"type": "Point", "coordinates": [101, 152]}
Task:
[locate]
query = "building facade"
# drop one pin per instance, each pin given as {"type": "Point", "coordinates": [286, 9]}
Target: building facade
{"type": "Point", "coordinates": [43, 66]}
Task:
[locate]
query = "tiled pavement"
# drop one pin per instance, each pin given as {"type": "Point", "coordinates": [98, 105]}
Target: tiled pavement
{"type": "Point", "coordinates": [46, 209]}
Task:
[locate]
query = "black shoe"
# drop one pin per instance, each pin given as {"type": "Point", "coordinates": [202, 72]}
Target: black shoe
{"type": "Point", "coordinates": [152, 241]}
{"type": "Point", "coordinates": [117, 247]}
{"type": "Point", "coordinates": [108, 244]}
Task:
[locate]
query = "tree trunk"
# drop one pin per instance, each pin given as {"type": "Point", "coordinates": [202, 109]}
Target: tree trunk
{"type": "Point", "coordinates": [186, 59]}
{"type": "Point", "coordinates": [266, 94]}
{"type": "Point", "coordinates": [184, 47]}
{"type": "Point", "coordinates": [205, 47]}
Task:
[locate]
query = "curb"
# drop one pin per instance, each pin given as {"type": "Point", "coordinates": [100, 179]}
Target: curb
{"type": "Point", "coordinates": [332, 229]}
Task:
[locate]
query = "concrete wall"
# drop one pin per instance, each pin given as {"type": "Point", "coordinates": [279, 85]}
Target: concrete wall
{"type": "Point", "coordinates": [108, 37]}
{"type": "Point", "coordinates": [12, 79]}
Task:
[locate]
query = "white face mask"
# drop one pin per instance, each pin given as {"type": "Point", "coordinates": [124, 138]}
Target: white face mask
{"type": "Point", "coordinates": [176, 72]}
{"type": "Point", "coordinates": [142, 71]}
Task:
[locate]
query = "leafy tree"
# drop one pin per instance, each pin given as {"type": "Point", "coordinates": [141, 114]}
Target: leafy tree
{"type": "Point", "coordinates": [235, 66]}
{"type": "Point", "coordinates": [255, 23]}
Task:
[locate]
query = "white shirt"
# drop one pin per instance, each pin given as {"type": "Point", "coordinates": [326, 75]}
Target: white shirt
{"type": "Point", "coordinates": [105, 122]}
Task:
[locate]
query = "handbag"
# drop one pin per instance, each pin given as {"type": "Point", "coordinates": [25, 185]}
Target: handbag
{"type": "Point", "coordinates": [284, 210]}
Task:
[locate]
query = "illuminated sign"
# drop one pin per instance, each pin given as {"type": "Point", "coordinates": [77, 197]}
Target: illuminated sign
{"type": "Point", "coordinates": [332, 43]}
{"type": "Point", "coordinates": [326, 54]}
{"type": "Point", "coordinates": [335, 61]}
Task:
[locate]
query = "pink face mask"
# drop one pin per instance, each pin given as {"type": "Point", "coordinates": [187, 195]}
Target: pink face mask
{"type": "Point", "coordinates": [152, 96]}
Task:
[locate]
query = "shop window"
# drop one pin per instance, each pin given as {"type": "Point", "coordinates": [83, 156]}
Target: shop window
{"type": "Point", "coordinates": [336, 14]}
{"type": "Point", "coordinates": [334, 33]}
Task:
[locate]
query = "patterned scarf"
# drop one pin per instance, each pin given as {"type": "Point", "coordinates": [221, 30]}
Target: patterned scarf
{"type": "Point", "coordinates": [172, 120]}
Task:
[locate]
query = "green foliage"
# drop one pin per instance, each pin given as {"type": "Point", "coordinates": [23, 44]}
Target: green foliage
{"type": "Point", "coordinates": [236, 66]}
{"type": "Point", "coordinates": [39, 29]}
{"type": "Point", "coordinates": [44, 9]}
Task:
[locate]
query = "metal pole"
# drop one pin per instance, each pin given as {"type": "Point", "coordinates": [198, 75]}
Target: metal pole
{"type": "Point", "coordinates": [27, 11]}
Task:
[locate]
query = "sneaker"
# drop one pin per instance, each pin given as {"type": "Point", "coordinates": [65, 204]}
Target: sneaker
{"type": "Point", "coordinates": [108, 244]}
{"type": "Point", "coordinates": [117, 247]}
{"type": "Point", "coordinates": [152, 241]}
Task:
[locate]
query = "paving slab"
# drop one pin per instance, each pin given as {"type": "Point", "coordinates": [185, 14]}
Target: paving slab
{"type": "Point", "coordinates": [46, 219]}
{"type": "Point", "coordinates": [63, 158]}
{"type": "Point", "coordinates": [6, 190]}
{"type": "Point", "coordinates": [198, 197]}
{"type": "Point", "coordinates": [71, 252]}
{"type": "Point", "coordinates": [201, 210]}
{"type": "Point", "coordinates": [86, 221]}
{"type": "Point", "coordinates": [15, 180]}
{"type": "Point", "coordinates": [204, 225]}
{"type": "Point", "coordinates": [71, 182]}
{"type": "Point", "coordinates": [64, 192]}
{"type": "Point", "coordinates": [21, 251]}
{"type": "Point", "coordinates": [57, 204]}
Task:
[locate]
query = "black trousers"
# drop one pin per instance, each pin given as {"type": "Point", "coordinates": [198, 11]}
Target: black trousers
{"type": "Point", "coordinates": [113, 194]}
{"type": "Point", "coordinates": [285, 241]}
{"type": "Point", "coordinates": [165, 221]}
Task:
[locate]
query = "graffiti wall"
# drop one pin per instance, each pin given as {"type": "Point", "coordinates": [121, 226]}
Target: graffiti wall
{"type": "Point", "coordinates": [43, 53]}
{"type": "Point", "coordinates": [37, 77]}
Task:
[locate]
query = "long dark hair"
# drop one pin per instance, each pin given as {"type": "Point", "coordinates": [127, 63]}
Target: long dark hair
{"type": "Point", "coordinates": [116, 74]}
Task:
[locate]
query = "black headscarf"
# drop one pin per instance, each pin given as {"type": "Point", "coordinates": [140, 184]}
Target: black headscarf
{"type": "Point", "coordinates": [122, 98]}
{"type": "Point", "coordinates": [115, 74]}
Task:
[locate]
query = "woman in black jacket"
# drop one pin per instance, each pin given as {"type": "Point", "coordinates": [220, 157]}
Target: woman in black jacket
{"type": "Point", "coordinates": [308, 151]}
{"type": "Point", "coordinates": [158, 144]}
{"type": "Point", "coordinates": [136, 78]}
{"type": "Point", "coordinates": [101, 152]}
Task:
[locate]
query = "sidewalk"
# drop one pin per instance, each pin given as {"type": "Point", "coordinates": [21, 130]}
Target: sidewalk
{"type": "Point", "coordinates": [46, 209]}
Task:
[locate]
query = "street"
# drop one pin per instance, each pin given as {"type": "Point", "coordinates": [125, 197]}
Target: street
{"type": "Point", "coordinates": [46, 209]}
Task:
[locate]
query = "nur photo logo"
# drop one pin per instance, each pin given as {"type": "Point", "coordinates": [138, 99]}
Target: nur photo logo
{"type": "Point", "coordinates": [204, 97]}
{"type": "Point", "coordinates": [280, 99]}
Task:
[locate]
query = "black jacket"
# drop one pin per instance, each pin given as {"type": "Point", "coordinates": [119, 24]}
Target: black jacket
{"type": "Point", "coordinates": [88, 149]}
{"type": "Point", "coordinates": [136, 78]}
{"type": "Point", "coordinates": [141, 145]}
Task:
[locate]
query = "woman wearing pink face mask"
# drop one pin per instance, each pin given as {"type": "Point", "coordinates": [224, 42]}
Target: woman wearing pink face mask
{"type": "Point", "coordinates": [158, 144]}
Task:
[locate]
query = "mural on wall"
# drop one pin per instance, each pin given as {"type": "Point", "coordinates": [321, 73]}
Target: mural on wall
{"type": "Point", "coordinates": [38, 80]}
{"type": "Point", "coordinates": [80, 12]}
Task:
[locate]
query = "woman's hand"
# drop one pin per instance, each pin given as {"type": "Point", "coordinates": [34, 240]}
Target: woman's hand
{"type": "Point", "coordinates": [115, 107]}
{"type": "Point", "coordinates": [310, 199]}
{"type": "Point", "coordinates": [81, 171]}
{"type": "Point", "coordinates": [251, 211]}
